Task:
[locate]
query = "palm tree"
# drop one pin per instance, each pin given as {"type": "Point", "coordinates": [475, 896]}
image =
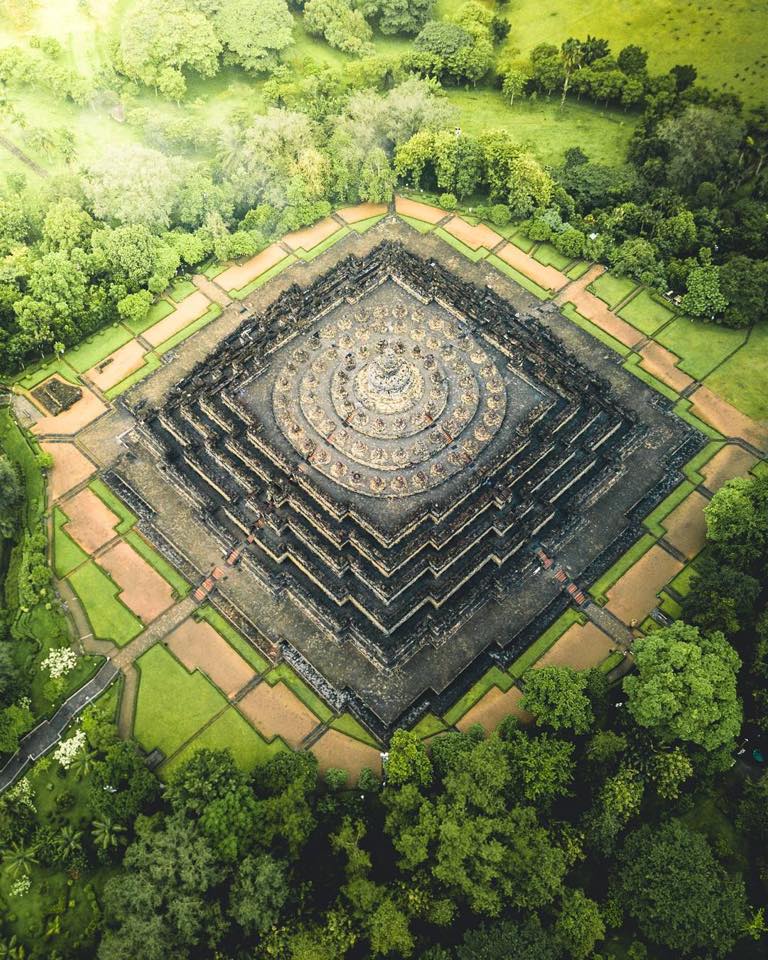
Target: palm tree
{"type": "Point", "coordinates": [82, 765]}
{"type": "Point", "coordinates": [68, 842]}
{"type": "Point", "coordinates": [19, 860]}
{"type": "Point", "coordinates": [572, 55]}
{"type": "Point", "coordinates": [11, 949]}
{"type": "Point", "coordinates": [106, 833]}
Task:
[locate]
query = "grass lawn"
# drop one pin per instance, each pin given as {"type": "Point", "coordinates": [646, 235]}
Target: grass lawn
{"type": "Point", "coordinates": [700, 346]}
{"type": "Point", "coordinates": [428, 726]}
{"type": "Point", "coordinates": [546, 254]}
{"type": "Point", "coordinates": [681, 584]}
{"type": "Point", "coordinates": [296, 685]}
{"type": "Point", "coordinates": [115, 504]}
{"type": "Point", "coordinates": [742, 379]}
{"type": "Point", "coordinates": [347, 724]}
{"type": "Point", "coordinates": [246, 650]}
{"type": "Point", "coordinates": [691, 469]}
{"type": "Point", "coordinates": [654, 521]}
{"type": "Point", "coordinates": [95, 348]}
{"type": "Point", "coordinates": [109, 618]}
{"type": "Point", "coordinates": [493, 678]}
{"type": "Point", "coordinates": [645, 313]}
{"type": "Point", "coordinates": [20, 449]}
{"type": "Point", "coordinates": [537, 649]}
{"type": "Point", "coordinates": [321, 247]}
{"type": "Point", "coordinates": [230, 731]}
{"type": "Point", "coordinates": [36, 374]}
{"type": "Point", "coordinates": [157, 312]}
{"type": "Point", "coordinates": [66, 553]}
{"type": "Point", "coordinates": [724, 42]}
{"type": "Point", "coordinates": [167, 571]}
{"type": "Point", "coordinates": [542, 127]}
{"type": "Point", "coordinates": [611, 289]}
{"type": "Point", "coordinates": [421, 225]}
{"type": "Point", "coordinates": [172, 704]}
{"type": "Point", "coordinates": [180, 289]}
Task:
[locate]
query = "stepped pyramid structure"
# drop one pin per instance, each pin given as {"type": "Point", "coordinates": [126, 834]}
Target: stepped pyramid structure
{"type": "Point", "coordinates": [386, 448]}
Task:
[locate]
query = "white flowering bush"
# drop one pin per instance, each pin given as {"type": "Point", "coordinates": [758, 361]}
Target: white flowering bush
{"type": "Point", "coordinates": [67, 750]}
{"type": "Point", "coordinates": [59, 662]}
{"type": "Point", "coordinates": [23, 792]}
{"type": "Point", "coordinates": [20, 886]}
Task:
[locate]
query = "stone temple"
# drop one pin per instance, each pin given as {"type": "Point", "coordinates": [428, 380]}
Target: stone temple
{"type": "Point", "coordinates": [386, 447]}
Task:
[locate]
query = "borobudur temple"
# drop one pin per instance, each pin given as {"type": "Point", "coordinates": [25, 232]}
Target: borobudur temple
{"type": "Point", "coordinates": [387, 448]}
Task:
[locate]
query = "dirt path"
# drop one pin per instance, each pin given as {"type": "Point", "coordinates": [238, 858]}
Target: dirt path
{"type": "Point", "coordinates": [19, 154]}
{"type": "Point", "coordinates": [212, 290]}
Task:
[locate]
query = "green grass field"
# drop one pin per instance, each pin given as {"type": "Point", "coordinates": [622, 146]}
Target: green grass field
{"type": "Point", "coordinates": [230, 731]}
{"type": "Point", "coordinates": [726, 43]}
{"type": "Point", "coordinates": [66, 553]}
{"type": "Point", "coordinates": [742, 379]}
{"type": "Point", "coordinates": [700, 346]}
{"type": "Point", "coordinates": [109, 618]}
{"type": "Point", "coordinates": [544, 642]}
{"type": "Point", "coordinates": [347, 724]}
{"type": "Point", "coordinates": [172, 704]}
{"type": "Point", "coordinates": [611, 289]}
{"type": "Point", "coordinates": [95, 348]}
{"type": "Point", "coordinates": [645, 313]}
{"type": "Point", "coordinates": [493, 678]}
{"type": "Point", "coordinates": [543, 127]}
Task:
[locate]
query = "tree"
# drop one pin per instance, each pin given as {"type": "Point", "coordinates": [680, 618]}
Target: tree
{"type": "Point", "coordinates": [121, 784]}
{"type": "Point", "coordinates": [572, 56]}
{"type": "Point", "coordinates": [529, 185]}
{"type": "Point", "coordinates": [678, 894]}
{"type": "Point", "coordinates": [702, 144]}
{"type": "Point", "coordinates": [408, 761]}
{"type": "Point", "coordinates": [720, 597]}
{"type": "Point", "coordinates": [260, 890]}
{"type": "Point", "coordinates": [107, 834]}
{"type": "Point", "coordinates": [744, 285]}
{"type": "Point", "coordinates": [133, 185]}
{"type": "Point", "coordinates": [514, 84]}
{"type": "Point", "coordinates": [685, 687]}
{"type": "Point", "coordinates": [157, 49]}
{"type": "Point", "coordinates": [19, 859]}
{"type": "Point", "coordinates": [134, 307]}
{"type": "Point", "coordinates": [342, 26]}
{"type": "Point", "coordinates": [10, 496]}
{"type": "Point", "coordinates": [556, 698]}
{"type": "Point", "coordinates": [737, 520]}
{"type": "Point", "coordinates": [632, 59]}
{"type": "Point", "coordinates": [703, 298]}
{"type": "Point", "coordinates": [579, 925]}
{"type": "Point", "coordinates": [254, 32]}
{"type": "Point", "coordinates": [508, 940]}
{"type": "Point", "coordinates": [398, 16]}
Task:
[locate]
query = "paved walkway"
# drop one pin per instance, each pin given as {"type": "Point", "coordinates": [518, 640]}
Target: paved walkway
{"type": "Point", "coordinates": [48, 733]}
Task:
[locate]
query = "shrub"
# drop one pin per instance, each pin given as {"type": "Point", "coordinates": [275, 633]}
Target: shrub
{"type": "Point", "coordinates": [448, 201]}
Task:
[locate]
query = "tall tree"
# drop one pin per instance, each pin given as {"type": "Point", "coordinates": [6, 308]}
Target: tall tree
{"type": "Point", "coordinates": [254, 32]}
{"type": "Point", "coordinates": [685, 687]}
{"type": "Point", "coordinates": [678, 894]}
